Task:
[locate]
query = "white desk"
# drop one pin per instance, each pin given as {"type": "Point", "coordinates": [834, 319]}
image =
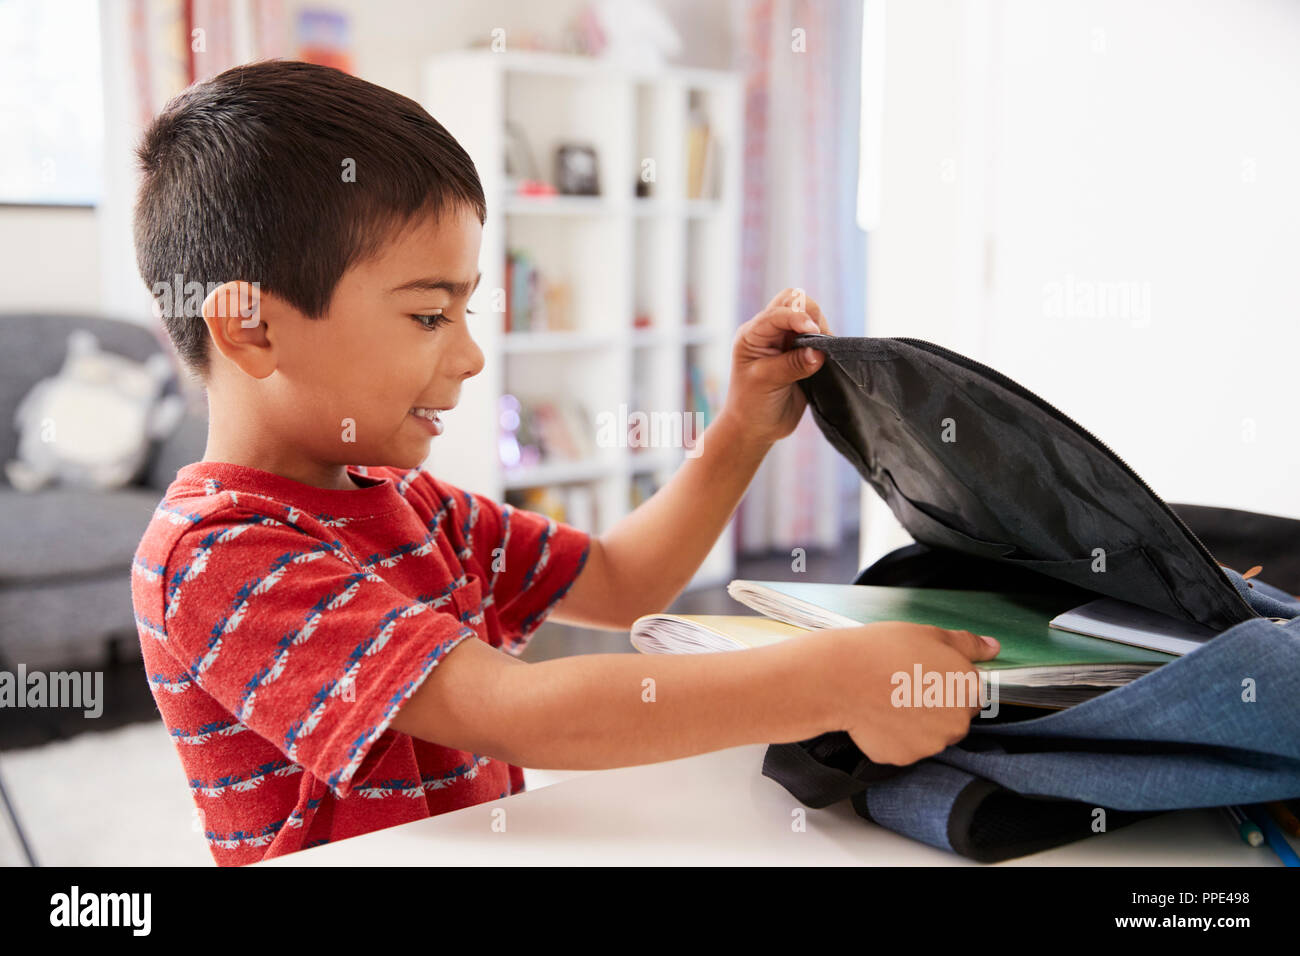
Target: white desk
{"type": "Point", "coordinates": [718, 809]}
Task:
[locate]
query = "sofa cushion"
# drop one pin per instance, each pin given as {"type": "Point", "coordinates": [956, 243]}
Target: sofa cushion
{"type": "Point", "coordinates": [183, 447]}
{"type": "Point", "coordinates": [68, 625]}
{"type": "Point", "coordinates": [62, 532]}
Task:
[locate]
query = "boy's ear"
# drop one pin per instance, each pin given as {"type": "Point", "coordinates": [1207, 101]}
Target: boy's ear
{"type": "Point", "coordinates": [236, 315]}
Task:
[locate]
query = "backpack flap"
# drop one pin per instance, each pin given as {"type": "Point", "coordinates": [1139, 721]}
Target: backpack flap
{"type": "Point", "coordinates": [971, 461]}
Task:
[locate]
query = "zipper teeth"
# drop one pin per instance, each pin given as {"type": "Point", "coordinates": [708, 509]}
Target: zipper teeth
{"type": "Point", "coordinates": [1023, 392]}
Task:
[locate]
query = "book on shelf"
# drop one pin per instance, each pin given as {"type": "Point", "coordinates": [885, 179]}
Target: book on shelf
{"type": "Point", "coordinates": [517, 306]}
{"type": "Point", "coordinates": [534, 303]}
{"type": "Point", "coordinates": [572, 504]}
{"type": "Point", "coordinates": [701, 394]}
{"type": "Point", "coordinates": [643, 487]}
{"type": "Point", "coordinates": [1038, 665]}
{"type": "Point", "coordinates": [548, 430]}
{"type": "Point", "coordinates": [701, 158]}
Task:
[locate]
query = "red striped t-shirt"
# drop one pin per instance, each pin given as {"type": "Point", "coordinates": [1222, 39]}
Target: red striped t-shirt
{"type": "Point", "coordinates": [283, 626]}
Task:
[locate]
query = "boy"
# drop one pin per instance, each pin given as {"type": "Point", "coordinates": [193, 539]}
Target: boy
{"type": "Point", "coordinates": [332, 645]}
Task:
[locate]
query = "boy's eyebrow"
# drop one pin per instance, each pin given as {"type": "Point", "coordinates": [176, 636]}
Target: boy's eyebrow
{"type": "Point", "coordinates": [435, 284]}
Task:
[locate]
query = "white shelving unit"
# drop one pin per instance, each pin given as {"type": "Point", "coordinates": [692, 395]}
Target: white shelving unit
{"type": "Point", "coordinates": [667, 255]}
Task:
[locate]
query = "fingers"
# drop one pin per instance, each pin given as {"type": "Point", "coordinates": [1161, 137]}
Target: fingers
{"type": "Point", "coordinates": [815, 311]}
{"type": "Point", "coordinates": [788, 366]}
{"type": "Point", "coordinates": [769, 328]}
{"type": "Point", "coordinates": [792, 298]}
{"type": "Point", "coordinates": [781, 298]}
{"type": "Point", "coordinates": [972, 646]}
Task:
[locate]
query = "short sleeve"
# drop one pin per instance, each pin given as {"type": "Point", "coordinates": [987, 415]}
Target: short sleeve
{"type": "Point", "coordinates": [530, 560]}
{"type": "Point", "coordinates": [301, 646]}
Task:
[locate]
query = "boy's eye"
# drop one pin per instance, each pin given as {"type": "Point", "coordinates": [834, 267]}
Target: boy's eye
{"type": "Point", "coordinates": [431, 322]}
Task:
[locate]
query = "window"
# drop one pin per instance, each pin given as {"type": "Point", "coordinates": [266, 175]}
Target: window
{"type": "Point", "coordinates": [51, 105]}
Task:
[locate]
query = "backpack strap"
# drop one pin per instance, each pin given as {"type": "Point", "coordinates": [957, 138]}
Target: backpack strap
{"type": "Point", "coordinates": [823, 770]}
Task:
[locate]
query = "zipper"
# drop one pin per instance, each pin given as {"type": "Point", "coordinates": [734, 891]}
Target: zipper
{"type": "Point", "coordinates": [1018, 389]}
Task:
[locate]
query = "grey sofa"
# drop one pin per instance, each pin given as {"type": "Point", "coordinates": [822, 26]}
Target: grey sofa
{"type": "Point", "coordinates": [65, 554]}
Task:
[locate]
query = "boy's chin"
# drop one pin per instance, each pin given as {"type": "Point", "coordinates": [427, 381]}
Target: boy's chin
{"type": "Point", "coordinates": [410, 451]}
{"type": "Point", "coordinates": [403, 458]}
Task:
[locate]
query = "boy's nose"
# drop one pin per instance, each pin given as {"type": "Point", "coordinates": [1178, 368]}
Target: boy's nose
{"type": "Point", "coordinates": [470, 357]}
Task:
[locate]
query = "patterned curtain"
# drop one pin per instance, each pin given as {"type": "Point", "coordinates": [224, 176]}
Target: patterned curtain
{"type": "Point", "coordinates": [174, 43]}
{"type": "Point", "coordinates": [153, 49]}
{"type": "Point", "coordinates": [801, 61]}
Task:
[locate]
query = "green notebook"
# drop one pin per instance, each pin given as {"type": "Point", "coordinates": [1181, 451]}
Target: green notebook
{"type": "Point", "coordinates": [1037, 665]}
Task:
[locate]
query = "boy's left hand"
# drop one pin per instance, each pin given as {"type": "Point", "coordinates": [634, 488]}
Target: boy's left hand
{"type": "Point", "coordinates": [762, 396]}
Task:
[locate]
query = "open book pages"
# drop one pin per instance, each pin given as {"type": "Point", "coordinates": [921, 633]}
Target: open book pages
{"type": "Point", "coordinates": [786, 606]}
{"type": "Point", "coordinates": [707, 633]}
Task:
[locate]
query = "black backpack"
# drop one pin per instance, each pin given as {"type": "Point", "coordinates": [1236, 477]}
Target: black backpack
{"type": "Point", "coordinates": [1001, 491]}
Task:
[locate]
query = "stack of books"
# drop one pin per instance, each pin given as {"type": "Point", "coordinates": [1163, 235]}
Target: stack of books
{"type": "Point", "coordinates": [533, 302]}
{"type": "Point", "coordinates": [1052, 656]}
{"type": "Point", "coordinates": [551, 430]}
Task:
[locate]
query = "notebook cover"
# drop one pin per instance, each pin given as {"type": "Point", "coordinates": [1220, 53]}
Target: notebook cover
{"type": "Point", "coordinates": [1018, 621]}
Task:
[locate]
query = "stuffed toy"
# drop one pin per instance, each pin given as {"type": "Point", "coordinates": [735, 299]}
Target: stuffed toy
{"type": "Point", "coordinates": [91, 425]}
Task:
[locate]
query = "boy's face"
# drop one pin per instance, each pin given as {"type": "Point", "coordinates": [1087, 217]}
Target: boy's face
{"type": "Point", "coordinates": [344, 386]}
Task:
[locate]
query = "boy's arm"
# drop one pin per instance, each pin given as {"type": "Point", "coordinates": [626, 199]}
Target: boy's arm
{"type": "Point", "coordinates": [597, 711]}
{"type": "Point", "coordinates": [641, 564]}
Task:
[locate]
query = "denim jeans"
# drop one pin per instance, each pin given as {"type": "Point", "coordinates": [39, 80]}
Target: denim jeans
{"type": "Point", "coordinates": [1218, 726]}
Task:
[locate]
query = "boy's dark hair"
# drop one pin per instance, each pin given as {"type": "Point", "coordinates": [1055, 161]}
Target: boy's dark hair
{"type": "Point", "coordinates": [243, 178]}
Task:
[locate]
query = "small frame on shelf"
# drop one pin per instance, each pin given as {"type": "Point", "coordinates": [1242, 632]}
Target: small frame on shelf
{"type": "Point", "coordinates": [577, 170]}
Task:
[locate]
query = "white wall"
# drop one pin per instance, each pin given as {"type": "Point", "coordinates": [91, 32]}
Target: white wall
{"type": "Point", "coordinates": [1157, 143]}
{"type": "Point", "coordinates": [1104, 147]}
{"type": "Point", "coordinates": [912, 254]}
{"type": "Point", "coordinates": [392, 37]}
{"type": "Point", "coordinates": [50, 260]}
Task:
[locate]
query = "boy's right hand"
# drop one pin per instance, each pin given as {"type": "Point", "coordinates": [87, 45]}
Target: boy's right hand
{"type": "Point", "coordinates": [870, 656]}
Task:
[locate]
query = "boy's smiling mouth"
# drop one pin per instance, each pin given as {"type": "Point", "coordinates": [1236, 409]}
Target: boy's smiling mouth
{"type": "Point", "coordinates": [429, 418]}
